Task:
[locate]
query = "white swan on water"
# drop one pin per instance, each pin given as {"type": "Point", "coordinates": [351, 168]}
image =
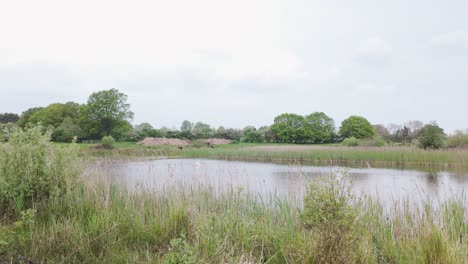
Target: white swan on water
{"type": "Point", "coordinates": [196, 164]}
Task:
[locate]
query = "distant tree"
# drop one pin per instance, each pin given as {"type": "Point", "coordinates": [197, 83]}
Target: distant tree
{"type": "Point", "coordinates": [24, 118]}
{"type": "Point", "coordinates": [382, 131]}
{"type": "Point", "coordinates": [431, 136]}
{"type": "Point", "coordinates": [268, 135]}
{"type": "Point", "coordinates": [67, 130]}
{"type": "Point", "coordinates": [356, 126]}
{"type": "Point", "coordinates": [53, 115]}
{"type": "Point", "coordinates": [186, 126]}
{"type": "Point", "coordinates": [248, 128]}
{"type": "Point", "coordinates": [143, 127]}
{"type": "Point", "coordinates": [414, 126]}
{"type": "Point", "coordinates": [289, 128]}
{"type": "Point", "coordinates": [403, 135]}
{"type": "Point", "coordinates": [203, 130]}
{"type": "Point", "coordinates": [108, 112]}
{"type": "Point", "coordinates": [228, 133]}
{"type": "Point", "coordinates": [147, 130]}
{"type": "Point", "coordinates": [8, 118]}
{"type": "Point", "coordinates": [252, 136]}
{"type": "Point", "coordinates": [393, 128]}
{"type": "Point", "coordinates": [319, 127]}
{"type": "Point", "coordinates": [458, 139]}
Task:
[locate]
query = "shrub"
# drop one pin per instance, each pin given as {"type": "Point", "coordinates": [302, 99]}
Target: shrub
{"type": "Point", "coordinates": [6, 130]}
{"type": "Point", "coordinates": [431, 136]}
{"type": "Point", "coordinates": [107, 142]}
{"type": "Point", "coordinates": [329, 212]}
{"type": "Point", "coordinates": [458, 140]}
{"type": "Point", "coordinates": [356, 126]}
{"type": "Point", "coordinates": [32, 170]}
{"type": "Point", "coordinates": [350, 142]}
{"type": "Point", "coordinates": [372, 142]}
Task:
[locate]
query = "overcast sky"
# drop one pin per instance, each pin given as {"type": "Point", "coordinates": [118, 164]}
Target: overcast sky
{"type": "Point", "coordinates": [238, 63]}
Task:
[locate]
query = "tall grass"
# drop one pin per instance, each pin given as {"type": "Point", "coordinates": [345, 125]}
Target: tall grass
{"type": "Point", "coordinates": [334, 155]}
{"type": "Point", "coordinates": [95, 221]}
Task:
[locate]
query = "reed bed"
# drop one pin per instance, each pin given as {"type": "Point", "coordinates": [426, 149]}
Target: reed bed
{"type": "Point", "coordinates": [334, 155]}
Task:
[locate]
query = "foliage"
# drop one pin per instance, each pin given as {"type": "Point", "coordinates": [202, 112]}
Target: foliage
{"type": "Point", "coordinates": [329, 212]}
{"type": "Point", "coordinates": [6, 130]}
{"type": "Point", "coordinates": [107, 142]}
{"type": "Point", "coordinates": [356, 126]}
{"type": "Point", "coordinates": [228, 133]}
{"type": "Point", "coordinates": [67, 130]}
{"type": "Point", "coordinates": [382, 131]}
{"type": "Point", "coordinates": [202, 130]}
{"type": "Point", "coordinates": [319, 128]}
{"type": "Point", "coordinates": [457, 140]}
{"type": "Point", "coordinates": [350, 142]}
{"type": "Point", "coordinates": [186, 126]}
{"type": "Point", "coordinates": [431, 136]}
{"type": "Point", "coordinates": [180, 252]}
{"type": "Point", "coordinates": [54, 114]}
{"type": "Point", "coordinates": [107, 110]}
{"type": "Point", "coordinates": [289, 128]}
{"type": "Point", "coordinates": [252, 136]}
{"type": "Point", "coordinates": [376, 141]}
{"type": "Point", "coordinates": [32, 170]}
{"type": "Point", "coordinates": [24, 118]}
{"type": "Point", "coordinates": [8, 118]}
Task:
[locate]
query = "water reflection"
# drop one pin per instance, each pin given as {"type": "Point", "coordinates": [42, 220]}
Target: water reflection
{"type": "Point", "coordinates": [264, 179]}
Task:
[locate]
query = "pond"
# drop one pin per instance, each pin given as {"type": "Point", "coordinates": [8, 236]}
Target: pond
{"type": "Point", "coordinates": [288, 181]}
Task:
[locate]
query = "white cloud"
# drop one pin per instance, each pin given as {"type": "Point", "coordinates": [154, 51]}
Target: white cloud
{"type": "Point", "coordinates": [457, 39]}
{"type": "Point", "coordinates": [240, 62]}
{"type": "Point", "coordinates": [373, 51]}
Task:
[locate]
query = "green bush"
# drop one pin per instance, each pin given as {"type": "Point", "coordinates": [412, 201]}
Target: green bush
{"type": "Point", "coordinates": [458, 140]}
{"type": "Point", "coordinates": [431, 136]}
{"type": "Point", "coordinates": [350, 142]}
{"type": "Point", "coordinates": [330, 213]}
{"type": "Point", "coordinates": [372, 142]}
{"type": "Point", "coordinates": [108, 142]}
{"type": "Point", "coordinates": [32, 170]}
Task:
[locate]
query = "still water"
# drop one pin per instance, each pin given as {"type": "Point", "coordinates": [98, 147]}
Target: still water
{"type": "Point", "coordinates": [287, 181]}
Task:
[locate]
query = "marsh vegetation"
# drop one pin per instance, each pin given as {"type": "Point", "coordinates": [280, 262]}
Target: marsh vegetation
{"type": "Point", "coordinates": [51, 212]}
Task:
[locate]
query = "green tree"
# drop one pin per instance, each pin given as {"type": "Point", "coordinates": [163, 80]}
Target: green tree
{"type": "Point", "coordinates": [202, 130]}
{"type": "Point", "coordinates": [289, 128]}
{"type": "Point", "coordinates": [319, 127]}
{"type": "Point", "coordinates": [107, 112]}
{"type": "Point", "coordinates": [53, 115]}
{"type": "Point", "coordinates": [8, 118]}
{"type": "Point", "coordinates": [186, 126]}
{"type": "Point", "coordinates": [431, 136]}
{"type": "Point", "coordinates": [382, 131]}
{"type": "Point", "coordinates": [24, 118]}
{"type": "Point", "coordinates": [252, 136]}
{"type": "Point", "coordinates": [67, 130]}
{"type": "Point", "coordinates": [228, 133]}
{"type": "Point", "coordinates": [356, 126]}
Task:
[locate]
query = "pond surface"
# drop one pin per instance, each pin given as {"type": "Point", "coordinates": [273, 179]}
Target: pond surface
{"type": "Point", "coordinates": [288, 181]}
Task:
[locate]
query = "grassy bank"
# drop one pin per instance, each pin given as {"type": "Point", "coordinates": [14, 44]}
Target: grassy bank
{"type": "Point", "coordinates": [305, 154]}
{"type": "Point", "coordinates": [52, 213]}
{"type": "Point", "coordinates": [335, 155]}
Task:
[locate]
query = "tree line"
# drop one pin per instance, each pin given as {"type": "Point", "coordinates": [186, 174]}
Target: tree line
{"type": "Point", "coordinates": [107, 113]}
